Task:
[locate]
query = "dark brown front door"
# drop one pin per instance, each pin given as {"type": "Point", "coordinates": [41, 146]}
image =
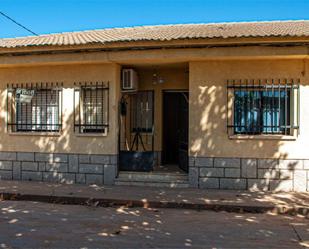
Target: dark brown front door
{"type": "Point", "coordinates": [175, 129]}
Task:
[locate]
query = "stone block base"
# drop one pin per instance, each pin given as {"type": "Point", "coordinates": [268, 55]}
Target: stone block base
{"type": "Point", "coordinates": [59, 168]}
{"type": "Point", "coordinates": [249, 174]}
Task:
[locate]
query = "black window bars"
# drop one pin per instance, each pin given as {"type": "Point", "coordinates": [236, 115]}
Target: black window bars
{"type": "Point", "coordinates": [142, 111]}
{"type": "Point", "coordinates": [34, 107]}
{"type": "Point", "coordinates": [91, 107]}
{"type": "Point", "coordinates": [257, 107]}
{"type": "Point", "coordinates": [136, 124]}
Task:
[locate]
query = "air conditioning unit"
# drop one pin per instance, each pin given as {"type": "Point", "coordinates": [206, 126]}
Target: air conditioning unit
{"type": "Point", "coordinates": [129, 80]}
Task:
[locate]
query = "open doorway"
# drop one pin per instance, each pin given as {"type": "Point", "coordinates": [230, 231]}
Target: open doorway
{"type": "Point", "coordinates": [175, 130]}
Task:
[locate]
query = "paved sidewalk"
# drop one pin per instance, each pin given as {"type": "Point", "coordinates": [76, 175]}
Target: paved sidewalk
{"type": "Point", "coordinates": [219, 200]}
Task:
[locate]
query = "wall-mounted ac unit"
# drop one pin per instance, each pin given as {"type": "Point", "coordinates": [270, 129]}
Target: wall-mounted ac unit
{"type": "Point", "coordinates": [129, 80]}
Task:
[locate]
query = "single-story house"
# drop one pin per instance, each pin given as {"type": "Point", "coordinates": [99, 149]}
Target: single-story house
{"type": "Point", "coordinates": [216, 106]}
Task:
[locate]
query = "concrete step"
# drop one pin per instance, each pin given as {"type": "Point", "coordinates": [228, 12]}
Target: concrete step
{"type": "Point", "coordinates": [153, 184]}
{"type": "Point", "coordinates": [153, 179]}
{"type": "Point", "coordinates": [152, 176]}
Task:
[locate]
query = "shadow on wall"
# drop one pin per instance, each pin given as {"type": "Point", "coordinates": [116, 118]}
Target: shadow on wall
{"type": "Point", "coordinates": [209, 138]}
{"type": "Point", "coordinates": [66, 141]}
{"type": "Point", "coordinates": [56, 147]}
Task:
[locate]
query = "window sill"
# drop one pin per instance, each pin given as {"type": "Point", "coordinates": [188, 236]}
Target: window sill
{"type": "Point", "coordinates": [43, 134]}
{"type": "Point", "coordinates": [263, 137]}
{"type": "Point", "coordinates": [91, 134]}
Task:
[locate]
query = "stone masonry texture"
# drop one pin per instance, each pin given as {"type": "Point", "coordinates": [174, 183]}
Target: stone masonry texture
{"type": "Point", "coordinates": [204, 172]}
{"type": "Point", "coordinates": [265, 174]}
{"type": "Point", "coordinates": [57, 167]}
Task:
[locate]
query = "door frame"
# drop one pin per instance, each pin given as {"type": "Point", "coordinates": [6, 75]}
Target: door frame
{"type": "Point", "coordinates": [162, 116]}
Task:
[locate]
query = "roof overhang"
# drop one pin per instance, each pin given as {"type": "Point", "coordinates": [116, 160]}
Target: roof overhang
{"type": "Point", "coordinates": [157, 54]}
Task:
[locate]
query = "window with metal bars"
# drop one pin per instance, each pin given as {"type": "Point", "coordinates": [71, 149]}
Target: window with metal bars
{"type": "Point", "coordinates": [91, 114]}
{"type": "Point", "coordinates": [263, 108]}
{"type": "Point", "coordinates": [142, 111]}
{"type": "Point", "coordinates": [34, 109]}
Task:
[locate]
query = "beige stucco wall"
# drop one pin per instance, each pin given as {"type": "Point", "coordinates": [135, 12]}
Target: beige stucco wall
{"type": "Point", "coordinates": [207, 85]}
{"type": "Point", "coordinates": [208, 104]}
{"type": "Point", "coordinates": [66, 141]}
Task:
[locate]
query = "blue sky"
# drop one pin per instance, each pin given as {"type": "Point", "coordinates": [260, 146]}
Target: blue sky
{"type": "Point", "coordinates": [52, 16]}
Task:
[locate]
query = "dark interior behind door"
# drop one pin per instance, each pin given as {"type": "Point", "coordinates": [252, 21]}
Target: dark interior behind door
{"type": "Point", "coordinates": [175, 129]}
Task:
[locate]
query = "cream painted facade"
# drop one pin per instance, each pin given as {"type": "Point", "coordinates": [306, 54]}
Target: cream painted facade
{"type": "Point", "coordinates": [66, 140]}
{"type": "Point", "coordinates": [208, 109]}
{"type": "Point", "coordinates": [267, 162]}
{"type": "Point", "coordinates": [215, 159]}
{"type": "Point", "coordinates": [174, 79]}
